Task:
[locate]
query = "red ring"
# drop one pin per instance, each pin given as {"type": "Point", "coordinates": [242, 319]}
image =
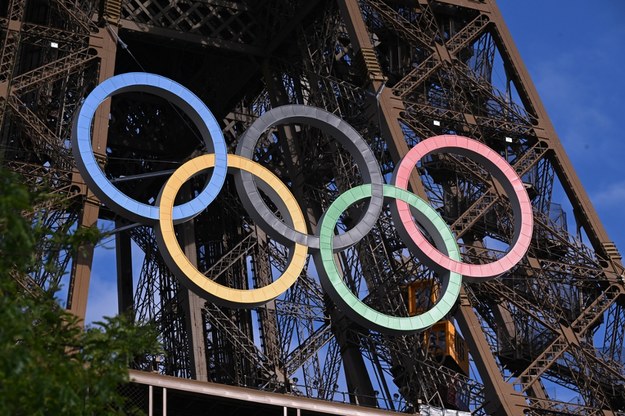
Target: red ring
{"type": "Point", "coordinates": [496, 166]}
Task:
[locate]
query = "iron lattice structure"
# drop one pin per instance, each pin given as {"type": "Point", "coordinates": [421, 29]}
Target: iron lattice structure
{"type": "Point", "coordinates": [399, 72]}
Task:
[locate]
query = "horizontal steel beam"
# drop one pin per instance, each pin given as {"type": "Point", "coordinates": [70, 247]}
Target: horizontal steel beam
{"type": "Point", "coordinates": [254, 396]}
{"type": "Point", "coordinates": [165, 35]}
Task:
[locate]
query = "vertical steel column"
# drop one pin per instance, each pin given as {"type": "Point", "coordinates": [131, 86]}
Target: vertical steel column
{"type": "Point", "coordinates": [501, 399]}
{"type": "Point", "coordinates": [357, 376]}
{"type": "Point", "coordinates": [270, 339]}
{"type": "Point", "coordinates": [106, 47]}
{"type": "Point", "coordinates": [123, 255]}
{"type": "Point", "coordinates": [193, 305]}
{"type": "Point", "coordinates": [8, 54]}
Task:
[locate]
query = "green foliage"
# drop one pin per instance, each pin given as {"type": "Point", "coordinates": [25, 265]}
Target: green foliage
{"type": "Point", "coordinates": [49, 365]}
{"type": "Point", "coordinates": [17, 239]}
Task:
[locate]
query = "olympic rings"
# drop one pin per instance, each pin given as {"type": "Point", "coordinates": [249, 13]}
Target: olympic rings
{"type": "Point", "coordinates": [334, 285]}
{"type": "Point", "coordinates": [496, 166]}
{"type": "Point", "coordinates": [189, 103]}
{"type": "Point", "coordinates": [179, 263]}
{"type": "Point", "coordinates": [443, 256]}
{"type": "Point", "coordinates": [347, 136]}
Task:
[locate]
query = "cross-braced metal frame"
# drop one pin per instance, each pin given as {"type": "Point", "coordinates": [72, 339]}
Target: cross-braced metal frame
{"type": "Point", "coordinates": [399, 72]}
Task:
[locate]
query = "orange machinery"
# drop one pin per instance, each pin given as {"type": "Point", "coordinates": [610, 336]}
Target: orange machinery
{"type": "Point", "coordinates": [443, 341]}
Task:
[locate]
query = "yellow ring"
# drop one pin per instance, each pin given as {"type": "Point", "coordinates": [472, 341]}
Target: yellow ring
{"type": "Point", "coordinates": [179, 262]}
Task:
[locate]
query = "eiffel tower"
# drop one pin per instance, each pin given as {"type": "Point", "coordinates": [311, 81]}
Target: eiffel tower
{"type": "Point", "coordinates": [399, 72]}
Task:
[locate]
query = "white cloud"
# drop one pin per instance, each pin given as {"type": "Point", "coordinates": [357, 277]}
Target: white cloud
{"type": "Point", "coordinates": [611, 196]}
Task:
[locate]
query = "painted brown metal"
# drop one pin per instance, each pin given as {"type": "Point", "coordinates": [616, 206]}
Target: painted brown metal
{"type": "Point", "coordinates": [105, 45]}
{"type": "Point", "coordinates": [399, 71]}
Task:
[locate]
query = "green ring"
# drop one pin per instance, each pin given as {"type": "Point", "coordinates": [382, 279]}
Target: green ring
{"type": "Point", "coordinates": [343, 297]}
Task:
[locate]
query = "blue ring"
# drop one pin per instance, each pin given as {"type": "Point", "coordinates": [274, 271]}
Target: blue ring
{"type": "Point", "coordinates": [189, 103]}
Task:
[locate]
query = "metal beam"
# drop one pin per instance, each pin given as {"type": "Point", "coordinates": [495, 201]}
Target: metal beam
{"type": "Point", "coordinates": [163, 36]}
{"type": "Point", "coordinates": [501, 398]}
{"type": "Point", "coordinates": [123, 255]}
{"type": "Point", "coordinates": [81, 267]}
{"type": "Point", "coordinates": [254, 396]}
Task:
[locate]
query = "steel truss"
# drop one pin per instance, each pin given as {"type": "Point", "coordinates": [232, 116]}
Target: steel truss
{"type": "Point", "coordinates": [399, 72]}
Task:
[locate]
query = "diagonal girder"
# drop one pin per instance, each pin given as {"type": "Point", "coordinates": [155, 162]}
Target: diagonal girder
{"type": "Point", "coordinates": [410, 30]}
{"type": "Point", "coordinates": [461, 39]}
{"type": "Point", "coordinates": [307, 349]}
{"type": "Point", "coordinates": [44, 141]}
{"type": "Point", "coordinates": [615, 333]}
{"type": "Point", "coordinates": [490, 198]}
{"type": "Point", "coordinates": [15, 14]}
{"type": "Point", "coordinates": [465, 36]}
{"type": "Point", "coordinates": [242, 249]}
{"type": "Point", "coordinates": [411, 81]}
{"type": "Point", "coordinates": [517, 299]}
{"type": "Point", "coordinates": [560, 345]}
{"type": "Point", "coordinates": [586, 375]}
{"type": "Point", "coordinates": [76, 15]}
{"type": "Point", "coordinates": [53, 70]}
{"type": "Point", "coordinates": [236, 336]}
{"type": "Point", "coordinates": [42, 36]}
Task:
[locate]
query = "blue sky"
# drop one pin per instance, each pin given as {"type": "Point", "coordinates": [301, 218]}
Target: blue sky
{"type": "Point", "coordinates": [575, 55]}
